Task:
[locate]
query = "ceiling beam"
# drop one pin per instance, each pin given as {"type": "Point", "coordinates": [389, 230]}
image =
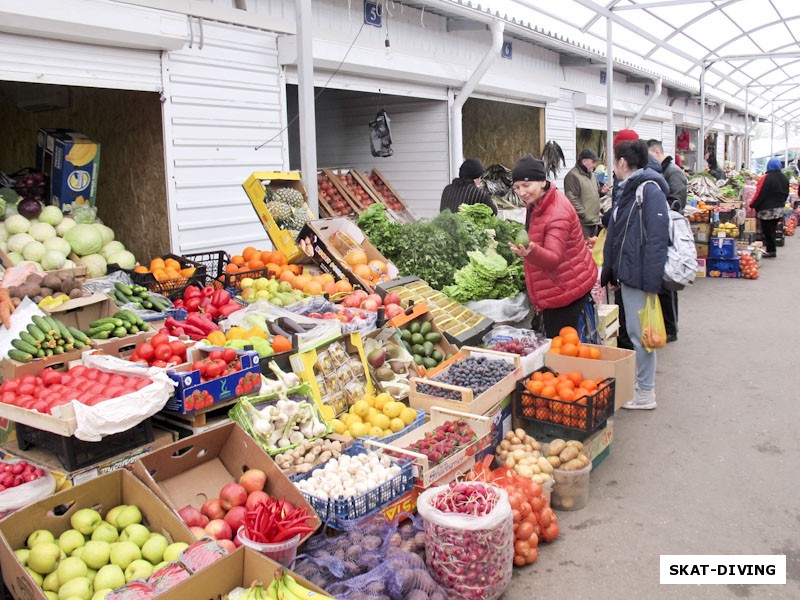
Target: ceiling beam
{"type": "Point", "coordinates": [646, 5]}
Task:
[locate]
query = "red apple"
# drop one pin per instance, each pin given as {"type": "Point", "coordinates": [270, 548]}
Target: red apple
{"type": "Point", "coordinates": [253, 480]}
{"type": "Point", "coordinates": [229, 546]}
{"type": "Point", "coordinates": [254, 498]}
{"type": "Point", "coordinates": [213, 509]}
{"type": "Point", "coordinates": [393, 310]}
{"type": "Point", "coordinates": [235, 517]}
{"type": "Point", "coordinates": [233, 494]}
{"type": "Point", "coordinates": [391, 298]}
{"type": "Point", "coordinates": [360, 294]}
{"type": "Point", "coordinates": [191, 516]}
{"type": "Point", "coordinates": [219, 530]}
{"type": "Point", "coordinates": [198, 532]}
{"type": "Point", "coordinates": [330, 315]}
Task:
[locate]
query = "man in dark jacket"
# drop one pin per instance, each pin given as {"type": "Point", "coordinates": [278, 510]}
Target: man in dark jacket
{"type": "Point", "coordinates": [714, 169]}
{"type": "Point", "coordinates": [464, 188]}
{"type": "Point", "coordinates": [583, 190]}
{"type": "Point", "coordinates": [677, 182]}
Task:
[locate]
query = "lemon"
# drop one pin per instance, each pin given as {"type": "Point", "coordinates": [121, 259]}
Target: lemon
{"type": "Point", "coordinates": [372, 412]}
{"type": "Point", "coordinates": [338, 426]}
{"type": "Point", "coordinates": [396, 425]}
{"type": "Point", "coordinates": [354, 419]}
{"type": "Point", "coordinates": [408, 415]}
{"type": "Point", "coordinates": [376, 432]}
{"type": "Point", "coordinates": [327, 412]}
{"type": "Point", "coordinates": [361, 408]}
{"type": "Point", "coordinates": [387, 432]}
{"type": "Point", "coordinates": [392, 409]}
{"type": "Point", "coordinates": [369, 399]}
{"type": "Point", "coordinates": [380, 420]}
{"type": "Point", "coordinates": [358, 430]}
{"type": "Point", "coordinates": [382, 399]}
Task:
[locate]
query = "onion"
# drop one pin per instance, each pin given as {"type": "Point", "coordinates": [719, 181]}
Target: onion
{"type": "Point", "coordinates": [29, 208]}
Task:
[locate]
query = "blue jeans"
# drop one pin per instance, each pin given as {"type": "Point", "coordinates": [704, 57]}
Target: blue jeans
{"type": "Point", "coordinates": [645, 361]}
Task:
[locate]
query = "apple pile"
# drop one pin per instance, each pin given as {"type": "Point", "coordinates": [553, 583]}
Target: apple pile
{"type": "Point", "coordinates": [96, 556]}
{"type": "Point", "coordinates": [356, 190]}
{"type": "Point", "coordinates": [222, 517]}
{"type": "Point", "coordinates": [389, 199]}
{"type": "Point", "coordinates": [16, 473]}
{"type": "Point", "coordinates": [52, 388]}
{"type": "Point", "coordinates": [372, 302]}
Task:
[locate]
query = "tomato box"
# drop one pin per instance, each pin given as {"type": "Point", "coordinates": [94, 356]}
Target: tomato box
{"type": "Point", "coordinates": [192, 394]}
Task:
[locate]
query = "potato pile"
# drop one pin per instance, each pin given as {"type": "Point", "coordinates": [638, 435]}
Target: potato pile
{"type": "Point", "coordinates": [308, 455]}
{"type": "Point", "coordinates": [523, 453]}
{"type": "Point", "coordinates": [38, 287]}
{"type": "Point", "coordinates": [566, 456]}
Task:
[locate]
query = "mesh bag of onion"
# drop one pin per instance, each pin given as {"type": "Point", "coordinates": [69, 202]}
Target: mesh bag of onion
{"type": "Point", "coordinates": [469, 539]}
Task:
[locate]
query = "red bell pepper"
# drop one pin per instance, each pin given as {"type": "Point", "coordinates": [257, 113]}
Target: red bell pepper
{"type": "Point", "coordinates": [192, 292]}
{"type": "Point", "coordinates": [220, 298]}
{"type": "Point", "coordinates": [178, 303]}
{"type": "Point", "coordinates": [211, 311]}
{"type": "Point", "coordinates": [207, 291]}
{"type": "Point", "coordinates": [192, 305]}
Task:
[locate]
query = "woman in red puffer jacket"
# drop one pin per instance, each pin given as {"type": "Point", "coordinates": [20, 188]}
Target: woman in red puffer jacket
{"type": "Point", "coordinates": [559, 269]}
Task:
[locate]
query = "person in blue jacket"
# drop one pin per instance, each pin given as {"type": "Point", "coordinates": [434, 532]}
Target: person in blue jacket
{"type": "Point", "coordinates": [635, 252]}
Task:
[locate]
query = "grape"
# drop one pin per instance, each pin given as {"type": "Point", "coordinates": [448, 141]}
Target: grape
{"type": "Point", "coordinates": [479, 374]}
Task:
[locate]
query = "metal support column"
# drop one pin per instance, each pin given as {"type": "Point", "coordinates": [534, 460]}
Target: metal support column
{"type": "Point", "coordinates": [746, 150]}
{"type": "Point", "coordinates": [609, 100]}
{"type": "Point", "coordinates": [701, 143]}
{"type": "Point", "coordinates": [305, 100]}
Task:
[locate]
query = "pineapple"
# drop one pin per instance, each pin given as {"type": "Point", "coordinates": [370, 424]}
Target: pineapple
{"type": "Point", "coordinates": [280, 211]}
{"type": "Point", "coordinates": [300, 217]}
{"type": "Point", "coordinates": [290, 196]}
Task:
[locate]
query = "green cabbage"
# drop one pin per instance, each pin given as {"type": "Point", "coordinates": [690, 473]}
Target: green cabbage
{"type": "Point", "coordinates": [95, 265]}
{"type": "Point", "coordinates": [84, 239]}
{"type": "Point", "coordinates": [51, 215]}
{"type": "Point", "coordinates": [65, 225]}
{"type": "Point", "coordinates": [17, 224]}
{"type": "Point", "coordinates": [33, 251]}
{"type": "Point", "coordinates": [53, 260]}
{"type": "Point", "coordinates": [42, 232]}
{"type": "Point", "coordinates": [123, 258]}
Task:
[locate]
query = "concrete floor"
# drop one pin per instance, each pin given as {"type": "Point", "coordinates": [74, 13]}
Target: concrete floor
{"type": "Point", "coordinates": [713, 470]}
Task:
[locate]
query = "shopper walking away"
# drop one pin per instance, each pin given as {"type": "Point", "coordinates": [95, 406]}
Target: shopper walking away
{"type": "Point", "coordinates": [714, 169]}
{"type": "Point", "coordinates": [769, 203]}
{"type": "Point", "coordinates": [583, 190]}
{"type": "Point", "coordinates": [636, 251]}
{"type": "Point", "coordinates": [559, 269]}
{"type": "Point", "coordinates": [678, 183]}
{"type": "Point", "coordinates": [464, 188]}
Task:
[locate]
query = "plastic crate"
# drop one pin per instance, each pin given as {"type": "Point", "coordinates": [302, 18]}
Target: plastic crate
{"type": "Point", "coordinates": [418, 422]}
{"type": "Point", "coordinates": [75, 454]}
{"type": "Point", "coordinates": [571, 417]}
{"type": "Point", "coordinates": [214, 263]}
{"type": "Point", "coordinates": [337, 512]}
{"type": "Point", "coordinates": [230, 281]}
{"type": "Point", "coordinates": [171, 288]}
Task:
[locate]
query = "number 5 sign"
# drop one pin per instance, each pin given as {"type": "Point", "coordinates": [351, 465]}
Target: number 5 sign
{"type": "Point", "coordinates": [373, 12]}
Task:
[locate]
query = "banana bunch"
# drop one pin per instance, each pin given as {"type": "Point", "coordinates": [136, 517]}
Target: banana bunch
{"type": "Point", "coordinates": [81, 153]}
{"type": "Point", "coordinates": [283, 587]}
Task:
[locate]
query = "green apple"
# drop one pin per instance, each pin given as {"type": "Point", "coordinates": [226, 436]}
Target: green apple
{"type": "Point", "coordinates": [262, 283]}
{"type": "Point", "coordinates": [173, 550]}
{"type": "Point", "coordinates": [96, 554]}
{"type": "Point", "coordinates": [136, 533]}
{"type": "Point", "coordinates": [101, 594]}
{"type": "Point", "coordinates": [50, 595]}
{"type": "Point", "coordinates": [90, 573]}
{"type": "Point", "coordinates": [138, 569]}
{"type": "Point", "coordinates": [86, 520]}
{"type": "Point", "coordinates": [39, 536]}
{"type": "Point", "coordinates": [43, 557]}
{"type": "Point", "coordinates": [112, 514]}
{"type": "Point", "coordinates": [70, 540]}
{"type": "Point", "coordinates": [128, 516]}
{"type": "Point", "coordinates": [153, 549]}
{"type": "Point", "coordinates": [22, 555]}
{"type": "Point", "coordinates": [124, 553]}
{"type": "Point", "coordinates": [77, 552]}
{"type": "Point", "coordinates": [105, 532]}
{"type": "Point", "coordinates": [36, 577]}
{"type": "Point", "coordinates": [246, 282]}
{"type": "Point", "coordinates": [70, 568]}
{"type": "Point", "coordinates": [80, 587]}
{"type": "Point", "coordinates": [110, 576]}
{"type": "Point", "coordinates": [50, 582]}
{"type": "Point", "coordinates": [265, 294]}
{"type": "Point", "coordinates": [160, 565]}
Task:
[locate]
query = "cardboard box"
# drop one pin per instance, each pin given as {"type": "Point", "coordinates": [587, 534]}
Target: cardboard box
{"type": "Point", "coordinates": [318, 239]}
{"type": "Point", "coordinates": [44, 139]}
{"type": "Point", "coordinates": [71, 161]}
{"type": "Point", "coordinates": [597, 446]}
{"type": "Point", "coordinates": [401, 508]}
{"type": "Point", "coordinates": [193, 470]}
{"type": "Point", "coordinates": [102, 493]}
{"type": "Point", "coordinates": [80, 312]}
{"type": "Point", "coordinates": [67, 479]}
{"type": "Point", "coordinates": [420, 313]}
{"type": "Point", "coordinates": [702, 250]}
{"type": "Point", "coordinates": [722, 248]}
{"type": "Point", "coordinates": [468, 403]}
{"type": "Point", "coordinates": [239, 569]}
{"type": "Point", "coordinates": [723, 268]}
{"type": "Point", "coordinates": [191, 390]}
{"type": "Point", "coordinates": [701, 267]}
{"type": "Point", "coordinates": [501, 418]}
{"type": "Point", "coordinates": [606, 313]}
{"type": "Point", "coordinates": [255, 187]}
{"type": "Point", "coordinates": [11, 369]}
{"type": "Point", "coordinates": [614, 362]}
{"type": "Point", "coordinates": [750, 225]}
{"type": "Point", "coordinates": [123, 347]}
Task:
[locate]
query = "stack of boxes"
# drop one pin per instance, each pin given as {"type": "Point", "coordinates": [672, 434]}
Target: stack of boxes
{"type": "Point", "coordinates": [702, 234]}
{"type": "Point", "coordinates": [608, 323]}
{"type": "Point", "coordinates": [723, 258]}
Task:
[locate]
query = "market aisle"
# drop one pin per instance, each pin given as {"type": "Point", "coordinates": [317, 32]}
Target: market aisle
{"type": "Point", "coordinates": [712, 471]}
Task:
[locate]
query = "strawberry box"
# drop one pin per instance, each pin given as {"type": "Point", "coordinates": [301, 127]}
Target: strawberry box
{"type": "Point", "coordinates": [202, 382]}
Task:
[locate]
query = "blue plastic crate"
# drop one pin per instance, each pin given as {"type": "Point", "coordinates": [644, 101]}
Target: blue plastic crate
{"type": "Point", "coordinates": [179, 314]}
{"type": "Point", "coordinates": [338, 511]}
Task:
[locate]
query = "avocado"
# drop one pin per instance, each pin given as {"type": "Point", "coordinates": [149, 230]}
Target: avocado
{"type": "Point", "coordinates": [417, 338]}
{"type": "Point", "coordinates": [425, 328]}
{"type": "Point", "coordinates": [427, 348]}
{"type": "Point", "coordinates": [433, 337]}
{"type": "Point", "coordinates": [429, 363]}
{"type": "Point", "coordinates": [414, 327]}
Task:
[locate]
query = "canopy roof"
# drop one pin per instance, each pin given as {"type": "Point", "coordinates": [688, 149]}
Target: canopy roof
{"type": "Point", "coordinates": [749, 47]}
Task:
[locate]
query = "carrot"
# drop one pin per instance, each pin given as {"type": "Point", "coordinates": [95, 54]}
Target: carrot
{"type": "Point", "coordinates": [6, 308]}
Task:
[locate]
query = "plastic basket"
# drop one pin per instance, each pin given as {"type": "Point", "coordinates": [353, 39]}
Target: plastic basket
{"type": "Point", "coordinates": [418, 422]}
{"type": "Point", "coordinates": [571, 417]}
{"type": "Point", "coordinates": [230, 281]}
{"type": "Point", "coordinates": [337, 512]}
{"type": "Point", "coordinates": [171, 288]}
{"type": "Point", "coordinates": [283, 552]}
{"type": "Point", "coordinates": [214, 263]}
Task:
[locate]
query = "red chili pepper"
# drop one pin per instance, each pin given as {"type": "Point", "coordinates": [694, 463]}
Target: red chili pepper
{"type": "Point", "coordinates": [202, 323]}
{"type": "Point", "coordinates": [178, 331]}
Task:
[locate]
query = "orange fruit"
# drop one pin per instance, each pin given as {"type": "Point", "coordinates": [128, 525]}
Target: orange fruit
{"type": "Point", "coordinates": [535, 387]}
{"type": "Point", "coordinates": [326, 278]}
{"type": "Point", "coordinates": [537, 376]}
{"type": "Point", "coordinates": [343, 286]}
{"type": "Point", "coordinates": [286, 275]}
{"type": "Point", "coordinates": [172, 273]}
{"type": "Point", "coordinates": [295, 269]}
{"type": "Point", "coordinates": [187, 272]}
{"type": "Point", "coordinates": [589, 385]}
{"type": "Point", "coordinates": [566, 384]}
{"type": "Point", "coordinates": [554, 351]}
{"type": "Point", "coordinates": [274, 269]}
{"type": "Point", "coordinates": [569, 350]}
{"type": "Point", "coordinates": [378, 265]}
{"type": "Point", "coordinates": [595, 353]}
{"type": "Point", "coordinates": [566, 394]}
{"type": "Point", "coordinates": [140, 269]}
{"type": "Point", "coordinates": [255, 263]}
{"type": "Point", "coordinates": [265, 257]}
{"type": "Point", "coordinates": [364, 272]}
{"type": "Point", "coordinates": [584, 351]}
{"type": "Point", "coordinates": [575, 377]}
{"type": "Point", "coordinates": [173, 264]}
{"type": "Point", "coordinates": [564, 331]}
{"type": "Point", "coordinates": [356, 257]}
{"type": "Point", "coordinates": [300, 281]}
{"type": "Point", "coordinates": [231, 268]}
{"type": "Point", "coordinates": [312, 288]}
{"type": "Point", "coordinates": [157, 263]}
{"type": "Point", "coordinates": [160, 274]}
{"type": "Point", "coordinates": [548, 391]}
{"type": "Point", "coordinates": [548, 376]}
{"type": "Point", "coordinates": [329, 288]}
{"type": "Point", "coordinates": [557, 341]}
{"type": "Point", "coordinates": [248, 253]}
{"type": "Point", "coordinates": [571, 338]}
{"type": "Point", "coordinates": [237, 260]}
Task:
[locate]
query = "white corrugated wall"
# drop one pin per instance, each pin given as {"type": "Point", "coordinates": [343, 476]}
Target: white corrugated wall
{"type": "Point", "coordinates": [668, 137]}
{"type": "Point", "coordinates": [223, 99]}
{"type": "Point", "coordinates": [559, 125]}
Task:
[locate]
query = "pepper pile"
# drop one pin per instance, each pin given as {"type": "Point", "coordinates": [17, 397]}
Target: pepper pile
{"type": "Point", "coordinates": [197, 326]}
{"type": "Point", "coordinates": [273, 521]}
{"type": "Point", "coordinates": [216, 303]}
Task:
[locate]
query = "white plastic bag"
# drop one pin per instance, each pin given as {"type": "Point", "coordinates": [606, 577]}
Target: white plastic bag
{"type": "Point", "coordinates": [507, 310]}
{"type": "Point", "coordinates": [16, 497]}
{"type": "Point", "coordinates": [20, 319]}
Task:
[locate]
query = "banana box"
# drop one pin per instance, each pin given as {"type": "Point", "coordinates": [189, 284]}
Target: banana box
{"type": "Point", "coordinates": [71, 162]}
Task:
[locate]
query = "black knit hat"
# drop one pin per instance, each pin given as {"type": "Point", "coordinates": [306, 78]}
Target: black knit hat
{"type": "Point", "coordinates": [587, 154]}
{"type": "Point", "coordinates": [470, 169]}
{"type": "Point", "coordinates": [528, 168]}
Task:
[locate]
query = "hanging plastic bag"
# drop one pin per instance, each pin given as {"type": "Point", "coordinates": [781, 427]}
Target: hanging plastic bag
{"type": "Point", "coordinates": [597, 249]}
{"type": "Point", "coordinates": [654, 333]}
{"type": "Point", "coordinates": [506, 310]}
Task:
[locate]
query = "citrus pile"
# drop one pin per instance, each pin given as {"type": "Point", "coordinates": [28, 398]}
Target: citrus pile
{"type": "Point", "coordinates": [375, 416]}
{"type": "Point", "coordinates": [562, 398]}
{"type": "Point", "coordinates": [568, 343]}
{"type": "Point", "coordinates": [372, 271]}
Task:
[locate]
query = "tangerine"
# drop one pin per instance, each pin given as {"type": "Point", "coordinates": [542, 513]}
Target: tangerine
{"type": "Point", "coordinates": [566, 394]}
{"type": "Point", "coordinates": [548, 391]}
{"type": "Point", "coordinates": [255, 263]}
{"type": "Point", "coordinates": [535, 387]}
{"type": "Point", "coordinates": [589, 385]}
{"type": "Point", "coordinates": [248, 253]}
{"type": "Point", "coordinates": [566, 384]}
{"type": "Point", "coordinates": [567, 330]}
{"type": "Point", "coordinates": [537, 376]}
{"type": "Point", "coordinates": [237, 260]}
{"type": "Point", "coordinates": [557, 341]}
{"type": "Point", "coordinates": [575, 377]}
{"type": "Point", "coordinates": [595, 353]}
{"type": "Point", "coordinates": [229, 268]}
{"type": "Point", "coordinates": [286, 276]}
{"type": "Point", "coordinates": [571, 338]}
{"type": "Point", "coordinates": [584, 351]}
{"type": "Point", "coordinates": [569, 350]}
{"type": "Point", "coordinates": [548, 376]}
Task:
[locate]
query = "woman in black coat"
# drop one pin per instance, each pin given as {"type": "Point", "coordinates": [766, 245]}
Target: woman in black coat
{"type": "Point", "coordinates": [769, 203]}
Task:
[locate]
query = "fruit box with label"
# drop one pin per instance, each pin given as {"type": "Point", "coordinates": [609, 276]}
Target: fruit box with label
{"type": "Point", "coordinates": [419, 313]}
{"type": "Point", "coordinates": [468, 402]}
{"type": "Point", "coordinates": [192, 394]}
{"type": "Point", "coordinates": [328, 242]}
{"type": "Point", "coordinates": [71, 161]}
{"type": "Point", "coordinates": [426, 471]}
{"type": "Point", "coordinates": [239, 569]}
{"type": "Point", "coordinates": [722, 248]}
{"type": "Point", "coordinates": [102, 494]}
{"type": "Point", "coordinates": [337, 373]}
{"type": "Point", "coordinates": [195, 469]}
{"type": "Point", "coordinates": [723, 268]}
{"type": "Point", "coordinates": [256, 187]}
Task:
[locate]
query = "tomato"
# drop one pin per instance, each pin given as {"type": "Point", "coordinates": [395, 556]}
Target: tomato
{"type": "Point", "coordinates": [8, 398]}
{"type": "Point", "coordinates": [141, 383]}
{"type": "Point", "coordinates": [175, 359]}
{"type": "Point", "coordinates": [159, 363]}
{"type": "Point", "coordinates": [26, 389]}
{"type": "Point", "coordinates": [178, 348]}
{"type": "Point", "coordinates": [212, 370]}
{"type": "Point", "coordinates": [163, 352]}
{"type": "Point", "coordinates": [113, 391]}
{"type": "Point", "coordinates": [78, 371]}
{"type": "Point", "coordinates": [139, 360]}
{"type": "Point", "coordinates": [215, 355]}
{"type": "Point", "coordinates": [145, 351]}
{"type": "Point", "coordinates": [92, 374]}
{"type": "Point", "coordinates": [28, 379]}
{"type": "Point", "coordinates": [104, 378]}
{"type": "Point", "coordinates": [85, 385]}
{"type": "Point", "coordinates": [229, 355]}
{"type": "Point", "coordinates": [198, 365]}
{"type": "Point", "coordinates": [39, 392]}
{"type": "Point", "coordinates": [159, 339]}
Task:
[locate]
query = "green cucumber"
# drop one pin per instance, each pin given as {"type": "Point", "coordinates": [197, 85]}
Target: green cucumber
{"type": "Point", "coordinates": [147, 304]}
{"type": "Point", "coordinates": [20, 356]}
{"type": "Point", "coordinates": [43, 325]}
{"type": "Point", "coordinates": [37, 333]}
{"type": "Point", "coordinates": [27, 337]}
{"type": "Point", "coordinates": [119, 332]}
{"type": "Point", "coordinates": [99, 328]}
{"type": "Point", "coordinates": [123, 289]}
{"type": "Point", "coordinates": [58, 350]}
{"type": "Point", "coordinates": [79, 335]}
{"type": "Point", "coordinates": [53, 324]}
{"type": "Point", "coordinates": [48, 352]}
{"type": "Point", "coordinates": [107, 321]}
{"type": "Point", "coordinates": [78, 345]}
{"type": "Point", "coordinates": [101, 335]}
{"type": "Point", "coordinates": [158, 304]}
{"type": "Point", "coordinates": [65, 334]}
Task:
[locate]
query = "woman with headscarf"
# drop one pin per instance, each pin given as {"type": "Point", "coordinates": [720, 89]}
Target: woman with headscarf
{"type": "Point", "coordinates": [769, 203]}
{"type": "Point", "coordinates": [559, 269]}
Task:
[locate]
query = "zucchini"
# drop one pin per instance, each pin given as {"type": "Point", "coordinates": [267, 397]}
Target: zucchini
{"type": "Point", "coordinates": [20, 356]}
{"type": "Point", "coordinates": [37, 333]}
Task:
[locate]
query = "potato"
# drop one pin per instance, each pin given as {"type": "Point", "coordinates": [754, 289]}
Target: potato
{"type": "Point", "coordinates": [544, 465]}
{"type": "Point", "coordinates": [568, 453]}
{"type": "Point", "coordinates": [554, 460]}
{"type": "Point", "coordinates": [520, 433]}
{"type": "Point", "coordinates": [505, 445]}
{"type": "Point", "coordinates": [576, 444]}
{"type": "Point", "coordinates": [584, 460]}
{"type": "Point", "coordinates": [510, 436]}
{"type": "Point", "coordinates": [520, 454]}
{"type": "Point", "coordinates": [516, 440]}
{"type": "Point", "coordinates": [525, 471]}
{"type": "Point", "coordinates": [535, 468]}
{"type": "Point", "coordinates": [573, 465]}
{"type": "Point", "coordinates": [510, 462]}
{"type": "Point", "coordinates": [556, 447]}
